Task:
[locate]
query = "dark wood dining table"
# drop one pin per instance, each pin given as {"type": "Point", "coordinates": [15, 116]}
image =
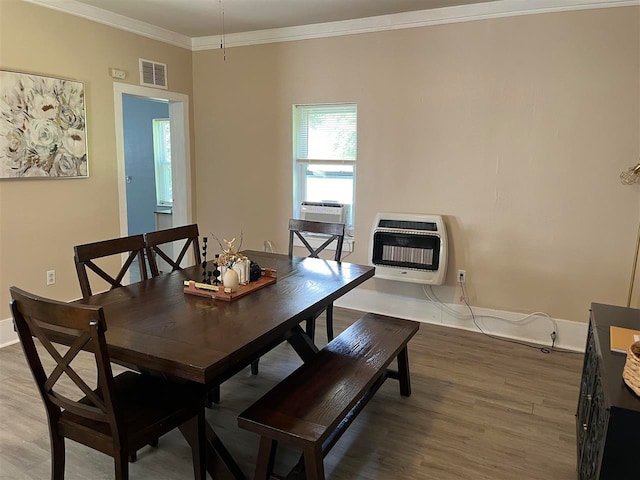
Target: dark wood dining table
{"type": "Point", "coordinates": [154, 326]}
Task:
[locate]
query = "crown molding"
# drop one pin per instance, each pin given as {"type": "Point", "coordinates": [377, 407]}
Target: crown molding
{"type": "Point", "coordinates": [115, 20]}
{"type": "Point", "coordinates": [422, 18]}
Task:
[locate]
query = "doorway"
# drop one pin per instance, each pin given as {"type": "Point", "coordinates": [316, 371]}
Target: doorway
{"type": "Point", "coordinates": [180, 150]}
{"type": "Point", "coordinates": [178, 114]}
{"type": "Point", "coordinates": [146, 210]}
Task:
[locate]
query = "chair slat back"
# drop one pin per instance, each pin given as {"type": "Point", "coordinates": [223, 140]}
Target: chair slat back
{"type": "Point", "coordinates": [334, 231]}
{"type": "Point", "coordinates": [85, 254]}
{"type": "Point", "coordinates": [82, 326]}
{"type": "Point", "coordinates": [153, 240]}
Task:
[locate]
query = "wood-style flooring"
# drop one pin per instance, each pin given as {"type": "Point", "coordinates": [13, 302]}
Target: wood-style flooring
{"type": "Point", "coordinates": [480, 409]}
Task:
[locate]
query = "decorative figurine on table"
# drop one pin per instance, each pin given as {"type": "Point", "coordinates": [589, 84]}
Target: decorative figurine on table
{"type": "Point", "coordinates": [255, 272]}
{"type": "Point", "coordinates": [204, 260]}
{"type": "Point", "coordinates": [228, 259]}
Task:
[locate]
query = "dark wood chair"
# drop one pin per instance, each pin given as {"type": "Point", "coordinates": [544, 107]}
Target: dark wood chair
{"type": "Point", "coordinates": [119, 415]}
{"type": "Point", "coordinates": [334, 232]}
{"type": "Point", "coordinates": [153, 241]}
{"type": "Point", "coordinates": [85, 254]}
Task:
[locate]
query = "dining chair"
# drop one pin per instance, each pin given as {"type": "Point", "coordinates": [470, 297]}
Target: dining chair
{"type": "Point", "coordinates": [154, 240]}
{"type": "Point", "coordinates": [85, 254]}
{"type": "Point", "coordinates": [330, 233]}
{"type": "Point", "coordinates": [122, 413]}
{"type": "Point", "coordinates": [334, 232]}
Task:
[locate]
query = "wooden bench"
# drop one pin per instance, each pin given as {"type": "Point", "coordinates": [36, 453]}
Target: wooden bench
{"type": "Point", "coordinates": [313, 406]}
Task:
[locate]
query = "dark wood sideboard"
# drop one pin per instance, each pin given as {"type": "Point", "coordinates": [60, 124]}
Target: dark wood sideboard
{"type": "Point", "coordinates": [608, 415]}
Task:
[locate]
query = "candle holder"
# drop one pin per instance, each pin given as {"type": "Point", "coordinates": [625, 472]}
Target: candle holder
{"type": "Point", "coordinates": [204, 260]}
{"type": "Point", "coordinates": [216, 271]}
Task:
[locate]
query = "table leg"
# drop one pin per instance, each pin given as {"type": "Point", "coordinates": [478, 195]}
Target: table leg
{"type": "Point", "coordinates": [306, 349]}
{"type": "Point", "coordinates": [220, 463]}
{"type": "Point", "coordinates": [302, 344]}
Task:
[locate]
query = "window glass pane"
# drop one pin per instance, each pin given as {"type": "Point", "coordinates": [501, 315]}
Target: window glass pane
{"type": "Point", "coordinates": [329, 183]}
{"type": "Point", "coordinates": [162, 160]}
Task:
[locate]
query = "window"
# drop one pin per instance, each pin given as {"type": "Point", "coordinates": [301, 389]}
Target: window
{"type": "Point", "coordinates": [325, 151]}
{"type": "Point", "coordinates": [162, 160]}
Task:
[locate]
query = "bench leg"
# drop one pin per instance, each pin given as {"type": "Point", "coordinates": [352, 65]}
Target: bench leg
{"type": "Point", "coordinates": [403, 373]}
{"type": "Point", "coordinates": [313, 465]}
{"type": "Point", "coordinates": [266, 459]}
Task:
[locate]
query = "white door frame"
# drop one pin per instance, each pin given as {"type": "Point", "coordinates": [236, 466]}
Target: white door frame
{"type": "Point", "coordinates": [180, 150]}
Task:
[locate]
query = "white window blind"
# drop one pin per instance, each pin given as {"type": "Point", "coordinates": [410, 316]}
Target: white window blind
{"type": "Point", "coordinates": [327, 132]}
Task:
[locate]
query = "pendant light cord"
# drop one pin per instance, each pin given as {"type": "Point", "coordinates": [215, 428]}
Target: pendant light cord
{"type": "Point", "coordinates": [223, 43]}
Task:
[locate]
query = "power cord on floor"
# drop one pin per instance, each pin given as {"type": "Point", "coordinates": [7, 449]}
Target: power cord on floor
{"type": "Point", "coordinates": [526, 319]}
{"type": "Point", "coordinates": [544, 350]}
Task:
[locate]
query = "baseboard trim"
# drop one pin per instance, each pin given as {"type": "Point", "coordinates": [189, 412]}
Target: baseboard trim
{"type": "Point", "coordinates": [570, 335]}
{"type": "Point", "coordinates": [7, 335]}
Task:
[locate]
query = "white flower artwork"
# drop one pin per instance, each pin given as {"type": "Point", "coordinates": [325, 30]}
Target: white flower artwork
{"type": "Point", "coordinates": [42, 127]}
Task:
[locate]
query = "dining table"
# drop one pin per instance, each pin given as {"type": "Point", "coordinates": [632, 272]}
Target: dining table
{"type": "Point", "coordinates": [154, 326]}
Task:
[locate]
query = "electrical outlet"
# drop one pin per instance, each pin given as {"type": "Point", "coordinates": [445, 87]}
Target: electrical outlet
{"type": "Point", "coordinates": [462, 276]}
{"type": "Point", "coordinates": [51, 277]}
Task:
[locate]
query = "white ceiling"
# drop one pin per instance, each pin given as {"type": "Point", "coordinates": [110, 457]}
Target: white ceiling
{"type": "Point", "coordinates": [201, 18]}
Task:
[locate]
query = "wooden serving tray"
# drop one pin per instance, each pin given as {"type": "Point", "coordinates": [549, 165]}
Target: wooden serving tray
{"type": "Point", "coordinates": [243, 290]}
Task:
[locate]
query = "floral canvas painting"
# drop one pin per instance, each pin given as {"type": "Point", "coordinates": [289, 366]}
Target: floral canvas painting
{"type": "Point", "coordinates": [42, 127]}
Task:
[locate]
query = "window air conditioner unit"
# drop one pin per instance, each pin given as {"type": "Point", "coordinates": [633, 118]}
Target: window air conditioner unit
{"type": "Point", "coordinates": [324, 212]}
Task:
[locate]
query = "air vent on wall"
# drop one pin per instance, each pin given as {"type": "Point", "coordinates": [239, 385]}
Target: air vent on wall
{"type": "Point", "coordinates": [153, 74]}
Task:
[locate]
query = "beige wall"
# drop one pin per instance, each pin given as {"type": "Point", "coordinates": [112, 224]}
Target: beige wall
{"type": "Point", "coordinates": [41, 220]}
{"type": "Point", "coordinates": [515, 129]}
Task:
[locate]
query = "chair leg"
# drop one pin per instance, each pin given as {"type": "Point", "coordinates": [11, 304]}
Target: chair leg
{"type": "Point", "coordinates": [311, 327]}
{"type": "Point", "coordinates": [199, 452]}
{"type": "Point", "coordinates": [329, 322]}
{"type": "Point", "coordinates": [57, 457]}
{"type": "Point", "coordinates": [121, 465]}
{"type": "Point", "coordinates": [254, 367]}
{"type": "Point", "coordinates": [154, 443]}
{"type": "Point", "coordinates": [213, 396]}
{"type": "Point", "coordinates": [403, 373]}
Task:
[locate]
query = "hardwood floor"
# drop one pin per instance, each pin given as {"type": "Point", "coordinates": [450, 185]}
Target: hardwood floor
{"type": "Point", "coordinates": [480, 409]}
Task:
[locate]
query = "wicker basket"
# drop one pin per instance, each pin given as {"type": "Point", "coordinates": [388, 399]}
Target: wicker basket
{"type": "Point", "coordinates": [631, 372]}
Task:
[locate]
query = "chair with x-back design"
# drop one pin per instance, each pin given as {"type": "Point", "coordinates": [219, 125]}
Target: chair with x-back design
{"type": "Point", "coordinates": [119, 415]}
{"type": "Point", "coordinates": [154, 240]}
{"type": "Point", "coordinates": [85, 254]}
{"type": "Point", "coordinates": [334, 232]}
{"type": "Point", "coordinates": [330, 232]}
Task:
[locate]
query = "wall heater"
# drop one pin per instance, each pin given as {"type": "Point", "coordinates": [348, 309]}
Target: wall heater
{"type": "Point", "coordinates": [409, 248]}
